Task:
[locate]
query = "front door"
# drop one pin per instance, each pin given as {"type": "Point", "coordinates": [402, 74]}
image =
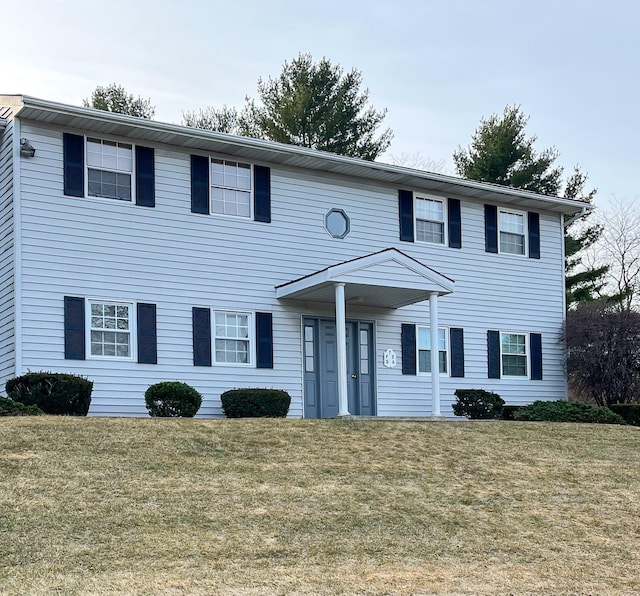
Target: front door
{"type": "Point", "coordinates": [321, 368]}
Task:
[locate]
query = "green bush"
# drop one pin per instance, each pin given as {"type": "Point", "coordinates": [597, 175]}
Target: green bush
{"type": "Point", "coordinates": [564, 411]}
{"type": "Point", "coordinates": [629, 412]}
{"type": "Point", "coordinates": [255, 403]}
{"type": "Point", "coordinates": [53, 393]}
{"type": "Point", "coordinates": [508, 412]}
{"type": "Point", "coordinates": [172, 399]}
{"type": "Point", "coordinates": [477, 404]}
{"type": "Point", "coordinates": [8, 407]}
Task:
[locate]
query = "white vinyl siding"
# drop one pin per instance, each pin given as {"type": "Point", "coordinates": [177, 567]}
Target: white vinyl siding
{"type": "Point", "coordinates": [512, 232]}
{"type": "Point", "coordinates": [423, 338]}
{"type": "Point", "coordinates": [167, 257]}
{"type": "Point", "coordinates": [109, 168]}
{"type": "Point", "coordinates": [230, 188]}
{"type": "Point", "coordinates": [429, 219]}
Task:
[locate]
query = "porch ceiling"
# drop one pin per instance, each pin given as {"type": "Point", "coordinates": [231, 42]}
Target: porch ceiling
{"type": "Point", "coordinates": [388, 279]}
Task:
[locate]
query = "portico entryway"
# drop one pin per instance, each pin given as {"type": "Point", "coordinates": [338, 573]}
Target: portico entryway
{"type": "Point", "coordinates": [386, 279]}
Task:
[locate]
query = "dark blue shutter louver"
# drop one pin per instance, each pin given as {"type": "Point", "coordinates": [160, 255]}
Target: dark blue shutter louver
{"type": "Point", "coordinates": [456, 336]}
{"type": "Point", "coordinates": [264, 340]}
{"type": "Point", "coordinates": [493, 354]}
{"type": "Point", "coordinates": [147, 334]}
{"type": "Point", "coordinates": [262, 194]}
{"type": "Point", "coordinates": [74, 328]}
{"type": "Point", "coordinates": [490, 228]}
{"type": "Point", "coordinates": [405, 210]}
{"type": "Point", "coordinates": [73, 158]}
{"type": "Point", "coordinates": [534, 234]}
{"type": "Point", "coordinates": [201, 336]}
{"type": "Point", "coordinates": [535, 343]}
{"type": "Point", "coordinates": [145, 177]}
{"type": "Point", "coordinates": [455, 223]}
{"type": "Point", "coordinates": [408, 341]}
{"type": "Point", "coordinates": [199, 184]}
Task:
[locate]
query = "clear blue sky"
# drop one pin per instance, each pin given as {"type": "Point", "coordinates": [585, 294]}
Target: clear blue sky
{"type": "Point", "coordinates": [438, 66]}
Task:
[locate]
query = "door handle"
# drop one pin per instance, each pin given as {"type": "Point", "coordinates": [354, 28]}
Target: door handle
{"type": "Point", "coordinates": [354, 376]}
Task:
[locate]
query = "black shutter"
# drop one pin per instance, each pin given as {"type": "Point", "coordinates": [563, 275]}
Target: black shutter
{"type": "Point", "coordinates": [456, 336]}
{"type": "Point", "coordinates": [535, 344]}
{"type": "Point", "coordinates": [147, 334]}
{"type": "Point", "coordinates": [534, 234]}
{"type": "Point", "coordinates": [408, 349]}
{"type": "Point", "coordinates": [74, 328]}
{"type": "Point", "coordinates": [145, 177]}
{"type": "Point", "coordinates": [490, 228]}
{"type": "Point", "coordinates": [262, 194]}
{"type": "Point", "coordinates": [405, 209]}
{"type": "Point", "coordinates": [201, 336]}
{"type": "Point", "coordinates": [73, 158]}
{"type": "Point", "coordinates": [455, 223]}
{"type": "Point", "coordinates": [264, 340]}
{"type": "Point", "coordinates": [493, 352]}
{"type": "Point", "coordinates": [199, 184]}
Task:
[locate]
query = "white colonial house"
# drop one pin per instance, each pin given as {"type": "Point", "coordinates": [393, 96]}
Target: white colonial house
{"type": "Point", "coordinates": [135, 251]}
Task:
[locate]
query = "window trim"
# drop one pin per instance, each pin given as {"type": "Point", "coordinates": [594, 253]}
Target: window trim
{"type": "Point", "coordinates": [250, 336]}
{"type": "Point", "coordinates": [133, 170]}
{"type": "Point", "coordinates": [447, 351]}
{"type": "Point", "coordinates": [133, 335]}
{"type": "Point", "coordinates": [212, 185]}
{"type": "Point", "coordinates": [445, 220]}
{"type": "Point", "coordinates": [525, 233]}
{"type": "Point", "coordinates": [527, 355]}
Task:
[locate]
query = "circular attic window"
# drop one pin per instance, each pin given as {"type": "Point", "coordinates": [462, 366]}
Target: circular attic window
{"type": "Point", "coordinates": [337, 223]}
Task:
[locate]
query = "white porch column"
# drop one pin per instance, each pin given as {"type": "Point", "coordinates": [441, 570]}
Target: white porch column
{"type": "Point", "coordinates": [435, 354]}
{"type": "Point", "coordinates": [341, 340]}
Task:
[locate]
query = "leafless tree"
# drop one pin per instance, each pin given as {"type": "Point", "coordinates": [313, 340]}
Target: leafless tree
{"type": "Point", "coordinates": [619, 247]}
{"type": "Point", "coordinates": [603, 353]}
{"type": "Point", "coordinates": [417, 161]}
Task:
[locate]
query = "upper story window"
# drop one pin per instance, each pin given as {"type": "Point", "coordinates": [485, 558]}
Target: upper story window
{"type": "Point", "coordinates": [230, 188]}
{"type": "Point", "coordinates": [430, 219]}
{"type": "Point", "coordinates": [232, 344]}
{"type": "Point", "coordinates": [511, 225]}
{"type": "Point", "coordinates": [424, 350]}
{"type": "Point", "coordinates": [513, 351]}
{"type": "Point", "coordinates": [109, 169]}
{"type": "Point", "coordinates": [110, 329]}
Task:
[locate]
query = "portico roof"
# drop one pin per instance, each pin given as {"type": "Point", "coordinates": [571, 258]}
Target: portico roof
{"type": "Point", "coordinates": [388, 278]}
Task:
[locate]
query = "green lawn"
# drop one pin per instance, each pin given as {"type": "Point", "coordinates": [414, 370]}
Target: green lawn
{"type": "Point", "coordinates": [99, 506]}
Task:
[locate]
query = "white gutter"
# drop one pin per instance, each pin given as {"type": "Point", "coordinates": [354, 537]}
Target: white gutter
{"type": "Point", "coordinates": [577, 216]}
{"type": "Point", "coordinates": [292, 150]}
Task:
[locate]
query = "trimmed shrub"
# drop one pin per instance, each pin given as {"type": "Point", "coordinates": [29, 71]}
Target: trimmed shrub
{"type": "Point", "coordinates": [255, 403]}
{"type": "Point", "coordinates": [508, 412]}
{"type": "Point", "coordinates": [172, 399]}
{"type": "Point", "coordinates": [53, 393]}
{"type": "Point", "coordinates": [564, 411]}
{"type": "Point", "coordinates": [8, 407]}
{"type": "Point", "coordinates": [629, 412]}
{"type": "Point", "coordinates": [478, 404]}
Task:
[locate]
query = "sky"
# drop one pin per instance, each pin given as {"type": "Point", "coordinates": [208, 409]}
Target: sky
{"type": "Point", "coordinates": [438, 67]}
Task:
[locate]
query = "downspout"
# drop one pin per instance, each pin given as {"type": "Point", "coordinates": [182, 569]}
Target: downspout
{"type": "Point", "coordinates": [576, 217]}
{"type": "Point", "coordinates": [17, 248]}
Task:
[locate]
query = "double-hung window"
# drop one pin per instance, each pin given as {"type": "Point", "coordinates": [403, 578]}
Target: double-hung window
{"type": "Point", "coordinates": [232, 332]}
{"type": "Point", "coordinates": [430, 218]}
{"type": "Point", "coordinates": [512, 232]}
{"type": "Point", "coordinates": [109, 169]}
{"type": "Point", "coordinates": [424, 350]}
{"type": "Point", "coordinates": [110, 327]}
{"type": "Point", "coordinates": [230, 188]}
{"type": "Point", "coordinates": [513, 353]}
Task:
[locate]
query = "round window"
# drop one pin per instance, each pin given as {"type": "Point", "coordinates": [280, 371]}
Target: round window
{"type": "Point", "coordinates": [337, 223]}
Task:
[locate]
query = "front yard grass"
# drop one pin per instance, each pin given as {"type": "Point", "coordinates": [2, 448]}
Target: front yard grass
{"type": "Point", "coordinates": [259, 506]}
